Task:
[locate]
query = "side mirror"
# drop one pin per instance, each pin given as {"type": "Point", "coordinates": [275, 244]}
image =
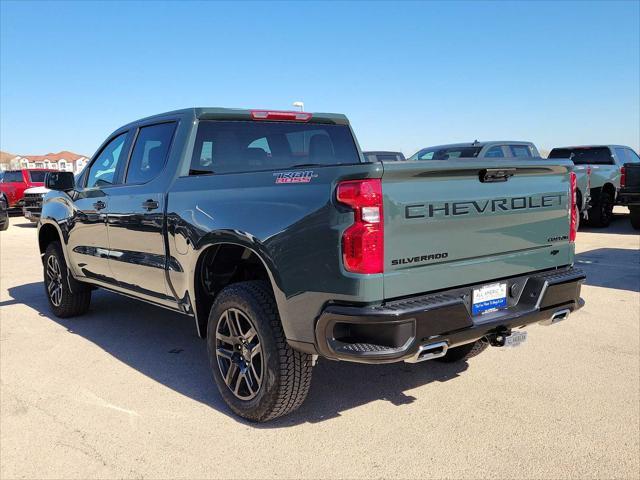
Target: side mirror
{"type": "Point", "coordinates": [62, 181]}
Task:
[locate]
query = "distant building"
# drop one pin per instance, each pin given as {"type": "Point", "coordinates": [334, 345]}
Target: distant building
{"type": "Point", "coordinates": [65, 161]}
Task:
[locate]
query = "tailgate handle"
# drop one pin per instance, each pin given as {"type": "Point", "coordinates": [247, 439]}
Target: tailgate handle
{"type": "Point", "coordinates": [496, 174]}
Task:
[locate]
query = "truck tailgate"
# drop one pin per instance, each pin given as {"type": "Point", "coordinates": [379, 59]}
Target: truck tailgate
{"type": "Point", "coordinates": [445, 227]}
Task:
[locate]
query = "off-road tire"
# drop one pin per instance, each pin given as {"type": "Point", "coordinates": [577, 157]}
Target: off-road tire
{"type": "Point", "coordinates": [75, 297]}
{"type": "Point", "coordinates": [464, 352]}
{"type": "Point", "coordinates": [5, 225]}
{"type": "Point", "coordinates": [601, 213]}
{"type": "Point", "coordinates": [634, 216]}
{"type": "Point", "coordinates": [286, 376]}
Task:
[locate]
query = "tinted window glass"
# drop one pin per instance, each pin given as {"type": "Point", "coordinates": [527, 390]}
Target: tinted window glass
{"type": "Point", "coordinates": [521, 151]}
{"type": "Point", "coordinates": [584, 156]}
{"type": "Point", "coordinates": [387, 157]}
{"type": "Point", "coordinates": [495, 152]}
{"type": "Point", "coordinates": [103, 170]}
{"type": "Point", "coordinates": [449, 153]}
{"type": "Point", "coordinates": [426, 155]}
{"type": "Point", "coordinates": [13, 177]}
{"type": "Point", "coordinates": [150, 152]}
{"type": "Point", "coordinates": [632, 156]}
{"type": "Point", "coordinates": [621, 154]}
{"type": "Point", "coordinates": [37, 176]}
{"type": "Point", "coordinates": [227, 147]}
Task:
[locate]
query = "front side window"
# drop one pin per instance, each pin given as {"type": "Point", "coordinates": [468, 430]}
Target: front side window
{"type": "Point", "coordinates": [150, 152]}
{"type": "Point", "coordinates": [245, 146]}
{"type": "Point", "coordinates": [495, 152]}
{"type": "Point", "coordinates": [426, 155]}
{"type": "Point", "coordinates": [13, 177]}
{"type": "Point", "coordinates": [102, 172]}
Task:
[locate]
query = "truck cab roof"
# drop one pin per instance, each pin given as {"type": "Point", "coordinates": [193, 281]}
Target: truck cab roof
{"type": "Point", "coordinates": [220, 113]}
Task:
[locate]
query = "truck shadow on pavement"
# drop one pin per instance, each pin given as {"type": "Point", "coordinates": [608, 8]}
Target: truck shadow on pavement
{"type": "Point", "coordinates": [617, 268]}
{"type": "Point", "coordinates": [164, 346]}
{"type": "Point", "coordinates": [620, 225]}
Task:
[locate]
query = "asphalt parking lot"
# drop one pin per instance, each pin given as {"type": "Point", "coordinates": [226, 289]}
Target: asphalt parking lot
{"type": "Point", "coordinates": [125, 391]}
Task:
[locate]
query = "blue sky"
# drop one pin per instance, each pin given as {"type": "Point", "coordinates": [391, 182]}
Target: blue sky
{"type": "Point", "coordinates": [408, 75]}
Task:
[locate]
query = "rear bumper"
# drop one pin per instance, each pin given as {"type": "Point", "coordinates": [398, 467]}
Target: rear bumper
{"type": "Point", "coordinates": [396, 330]}
{"type": "Point", "coordinates": [628, 196]}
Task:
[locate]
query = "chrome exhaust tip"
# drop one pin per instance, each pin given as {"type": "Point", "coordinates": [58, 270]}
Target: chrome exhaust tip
{"type": "Point", "coordinates": [556, 317]}
{"type": "Point", "coordinates": [429, 352]}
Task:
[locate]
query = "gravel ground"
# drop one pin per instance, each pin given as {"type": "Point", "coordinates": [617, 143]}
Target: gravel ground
{"type": "Point", "coordinates": [125, 392]}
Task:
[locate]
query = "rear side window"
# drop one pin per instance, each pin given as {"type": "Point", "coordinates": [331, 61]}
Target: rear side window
{"type": "Point", "coordinates": [12, 177]}
{"type": "Point", "coordinates": [37, 176]}
{"type": "Point", "coordinates": [245, 146]}
{"type": "Point", "coordinates": [150, 152]}
{"type": "Point", "coordinates": [632, 157]}
{"type": "Point", "coordinates": [495, 152]}
{"type": "Point", "coordinates": [584, 156]}
{"type": "Point", "coordinates": [522, 151]}
{"type": "Point", "coordinates": [449, 153]}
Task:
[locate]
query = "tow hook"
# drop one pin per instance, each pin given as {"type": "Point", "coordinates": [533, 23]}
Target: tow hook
{"type": "Point", "coordinates": [498, 339]}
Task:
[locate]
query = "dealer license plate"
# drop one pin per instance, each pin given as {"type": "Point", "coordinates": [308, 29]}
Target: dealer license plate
{"type": "Point", "coordinates": [488, 298]}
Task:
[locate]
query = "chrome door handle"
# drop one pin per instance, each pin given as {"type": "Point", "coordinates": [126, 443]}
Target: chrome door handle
{"type": "Point", "coordinates": [150, 205]}
{"type": "Point", "coordinates": [99, 205]}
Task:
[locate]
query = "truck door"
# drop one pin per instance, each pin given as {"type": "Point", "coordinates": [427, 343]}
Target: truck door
{"type": "Point", "coordinates": [12, 183]}
{"type": "Point", "coordinates": [88, 244]}
{"type": "Point", "coordinates": [137, 254]}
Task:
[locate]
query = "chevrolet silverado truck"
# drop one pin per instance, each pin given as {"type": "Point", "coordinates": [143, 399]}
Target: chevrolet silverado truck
{"type": "Point", "coordinates": [507, 149]}
{"type": "Point", "coordinates": [605, 162]}
{"type": "Point", "coordinates": [271, 231]}
{"type": "Point", "coordinates": [630, 191]}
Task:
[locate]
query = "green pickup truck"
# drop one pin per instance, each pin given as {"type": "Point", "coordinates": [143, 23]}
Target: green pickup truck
{"type": "Point", "coordinates": [605, 163]}
{"type": "Point", "coordinates": [272, 232]}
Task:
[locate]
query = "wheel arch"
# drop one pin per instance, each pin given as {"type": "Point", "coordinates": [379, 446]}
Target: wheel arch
{"type": "Point", "coordinates": [250, 259]}
{"type": "Point", "coordinates": [47, 233]}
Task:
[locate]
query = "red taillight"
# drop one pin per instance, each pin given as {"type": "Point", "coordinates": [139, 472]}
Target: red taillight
{"type": "Point", "coordinates": [573, 211]}
{"type": "Point", "coordinates": [363, 242]}
{"type": "Point", "coordinates": [623, 177]}
{"type": "Point", "coordinates": [278, 115]}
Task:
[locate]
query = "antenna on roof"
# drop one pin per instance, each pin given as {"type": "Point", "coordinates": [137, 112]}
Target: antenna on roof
{"type": "Point", "coordinates": [475, 142]}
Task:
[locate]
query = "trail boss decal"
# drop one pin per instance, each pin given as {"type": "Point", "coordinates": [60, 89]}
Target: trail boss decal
{"type": "Point", "coordinates": [295, 177]}
{"type": "Point", "coordinates": [446, 209]}
{"type": "Point", "coordinates": [420, 259]}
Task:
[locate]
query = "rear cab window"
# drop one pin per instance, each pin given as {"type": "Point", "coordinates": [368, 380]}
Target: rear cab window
{"type": "Point", "coordinates": [584, 156]}
{"type": "Point", "coordinates": [245, 146]}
